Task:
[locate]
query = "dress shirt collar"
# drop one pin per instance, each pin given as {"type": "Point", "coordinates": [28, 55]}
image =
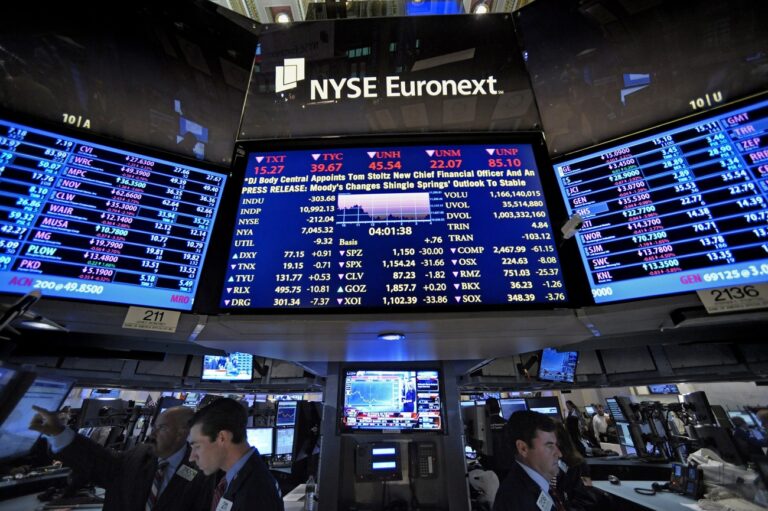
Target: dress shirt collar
{"type": "Point", "coordinates": [539, 479]}
{"type": "Point", "coordinates": [175, 459]}
{"type": "Point", "coordinates": [239, 464]}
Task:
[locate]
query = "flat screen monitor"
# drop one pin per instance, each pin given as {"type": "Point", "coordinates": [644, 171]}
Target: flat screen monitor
{"type": "Point", "coordinates": [663, 388]}
{"type": "Point", "coordinates": [16, 439]}
{"type": "Point", "coordinates": [510, 406]}
{"type": "Point", "coordinates": [559, 366]}
{"type": "Point", "coordinates": [284, 441]}
{"type": "Point", "coordinates": [430, 222]}
{"type": "Point", "coordinates": [746, 416]}
{"type": "Point", "coordinates": [90, 221]}
{"type": "Point", "coordinates": [13, 383]}
{"type": "Point", "coordinates": [392, 400]}
{"type": "Point", "coordinates": [590, 410]}
{"type": "Point", "coordinates": [192, 399]}
{"type": "Point", "coordinates": [614, 410]}
{"type": "Point", "coordinates": [620, 67]}
{"type": "Point", "coordinates": [698, 402]}
{"type": "Point", "coordinates": [286, 413]}
{"type": "Point", "coordinates": [234, 367]}
{"type": "Point", "coordinates": [261, 439]}
{"type": "Point", "coordinates": [624, 432]}
{"type": "Point", "coordinates": [674, 210]}
{"type": "Point", "coordinates": [548, 405]}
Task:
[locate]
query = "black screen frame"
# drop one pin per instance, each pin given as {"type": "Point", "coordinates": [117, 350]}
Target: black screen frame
{"type": "Point", "coordinates": [29, 379]}
{"type": "Point", "coordinates": [225, 380]}
{"type": "Point", "coordinates": [574, 276]}
{"type": "Point", "coordinates": [106, 140]}
{"type": "Point", "coordinates": [652, 392]}
{"type": "Point", "coordinates": [391, 366]}
{"type": "Point", "coordinates": [550, 380]}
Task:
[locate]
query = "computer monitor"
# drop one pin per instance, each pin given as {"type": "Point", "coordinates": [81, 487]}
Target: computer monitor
{"type": "Point", "coordinates": [748, 417]}
{"type": "Point", "coordinates": [614, 410]}
{"type": "Point", "coordinates": [16, 439]}
{"type": "Point", "coordinates": [548, 405]}
{"type": "Point", "coordinates": [510, 406]}
{"type": "Point", "coordinates": [232, 367]}
{"type": "Point", "coordinates": [714, 437]}
{"type": "Point", "coordinates": [700, 404]}
{"type": "Point", "coordinates": [284, 441]}
{"type": "Point", "coordinates": [625, 438]}
{"type": "Point", "coordinates": [261, 439]}
{"type": "Point", "coordinates": [286, 413]}
{"type": "Point", "coordinates": [13, 383]}
{"type": "Point", "coordinates": [558, 366]}
{"type": "Point", "coordinates": [379, 399]}
{"type": "Point", "coordinates": [663, 388]}
{"type": "Point", "coordinates": [590, 410]}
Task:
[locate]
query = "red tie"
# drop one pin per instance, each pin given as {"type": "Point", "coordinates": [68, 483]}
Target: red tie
{"type": "Point", "coordinates": [154, 491]}
{"type": "Point", "coordinates": [218, 493]}
{"type": "Point", "coordinates": [556, 499]}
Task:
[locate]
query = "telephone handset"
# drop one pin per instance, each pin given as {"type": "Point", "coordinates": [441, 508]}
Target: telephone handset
{"type": "Point", "coordinates": [423, 460]}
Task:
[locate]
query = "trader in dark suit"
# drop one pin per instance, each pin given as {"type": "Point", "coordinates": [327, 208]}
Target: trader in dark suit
{"type": "Point", "coordinates": [218, 440]}
{"type": "Point", "coordinates": [527, 485]}
{"type": "Point", "coordinates": [154, 476]}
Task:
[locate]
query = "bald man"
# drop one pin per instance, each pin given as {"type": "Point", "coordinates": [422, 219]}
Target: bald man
{"type": "Point", "coordinates": [154, 476]}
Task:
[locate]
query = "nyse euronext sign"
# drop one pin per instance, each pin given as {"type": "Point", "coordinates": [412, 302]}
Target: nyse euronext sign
{"type": "Point", "coordinates": [293, 70]}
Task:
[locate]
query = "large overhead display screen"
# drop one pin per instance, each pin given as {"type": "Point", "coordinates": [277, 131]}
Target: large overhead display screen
{"type": "Point", "coordinates": [86, 221]}
{"type": "Point", "coordinates": [388, 226]}
{"type": "Point", "coordinates": [680, 210]}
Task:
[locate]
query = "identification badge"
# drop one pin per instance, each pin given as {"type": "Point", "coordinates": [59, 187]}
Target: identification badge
{"type": "Point", "coordinates": [186, 472]}
{"type": "Point", "coordinates": [224, 505]}
{"type": "Point", "coordinates": [544, 502]}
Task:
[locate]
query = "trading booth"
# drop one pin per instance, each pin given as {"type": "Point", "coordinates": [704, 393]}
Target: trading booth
{"type": "Point", "coordinates": [366, 228]}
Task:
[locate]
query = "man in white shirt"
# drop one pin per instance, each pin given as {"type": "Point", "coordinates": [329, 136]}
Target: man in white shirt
{"type": "Point", "coordinates": [600, 423]}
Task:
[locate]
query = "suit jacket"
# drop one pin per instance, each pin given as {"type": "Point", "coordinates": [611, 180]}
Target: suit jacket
{"type": "Point", "coordinates": [518, 492]}
{"type": "Point", "coordinates": [254, 488]}
{"type": "Point", "coordinates": [127, 477]}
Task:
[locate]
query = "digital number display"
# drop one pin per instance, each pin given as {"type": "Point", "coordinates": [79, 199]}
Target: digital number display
{"type": "Point", "coordinates": [405, 226]}
{"type": "Point", "coordinates": [86, 221]}
{"type": "Point", "coordinates": [678, 211]}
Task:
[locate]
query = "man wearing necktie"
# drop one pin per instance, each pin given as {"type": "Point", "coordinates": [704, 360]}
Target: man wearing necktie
{"type": "Point", "coordinates": [218, 440]}
{"type": "Point", "coordinates": [527, 486]}
{"type": "Point", "coordinates": [154, 476]}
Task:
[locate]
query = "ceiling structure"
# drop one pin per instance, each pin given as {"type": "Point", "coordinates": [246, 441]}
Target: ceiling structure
{"type": "Point", "coordinates": [274, 11]}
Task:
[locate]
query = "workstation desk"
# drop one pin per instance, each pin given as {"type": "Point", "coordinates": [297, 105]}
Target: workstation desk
{"type": "Point", "coordinates": [628, 499]}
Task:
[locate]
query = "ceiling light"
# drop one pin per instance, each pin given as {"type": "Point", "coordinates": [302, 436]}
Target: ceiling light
{"type": "Point", "coordinates": [392, 336]}
{"type": "Point", "coordinates": [40, 323]}
{"type": "Point", "coordinates": [481, 8]}
{"type": "Point", "coordinates": [283, 17]}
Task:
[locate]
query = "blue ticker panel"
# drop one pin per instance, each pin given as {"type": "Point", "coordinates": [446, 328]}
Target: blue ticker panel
{"type": "Point", "coordinates": [86, 221]}
{"type": "Point", "coordinates": [393, 226]}
{"type": "Point", "coordinates": [681, 210]}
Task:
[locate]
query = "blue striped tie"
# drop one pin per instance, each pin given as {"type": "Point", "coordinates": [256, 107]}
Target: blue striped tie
{"type": "Point", "coordinates": [157, 482]}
